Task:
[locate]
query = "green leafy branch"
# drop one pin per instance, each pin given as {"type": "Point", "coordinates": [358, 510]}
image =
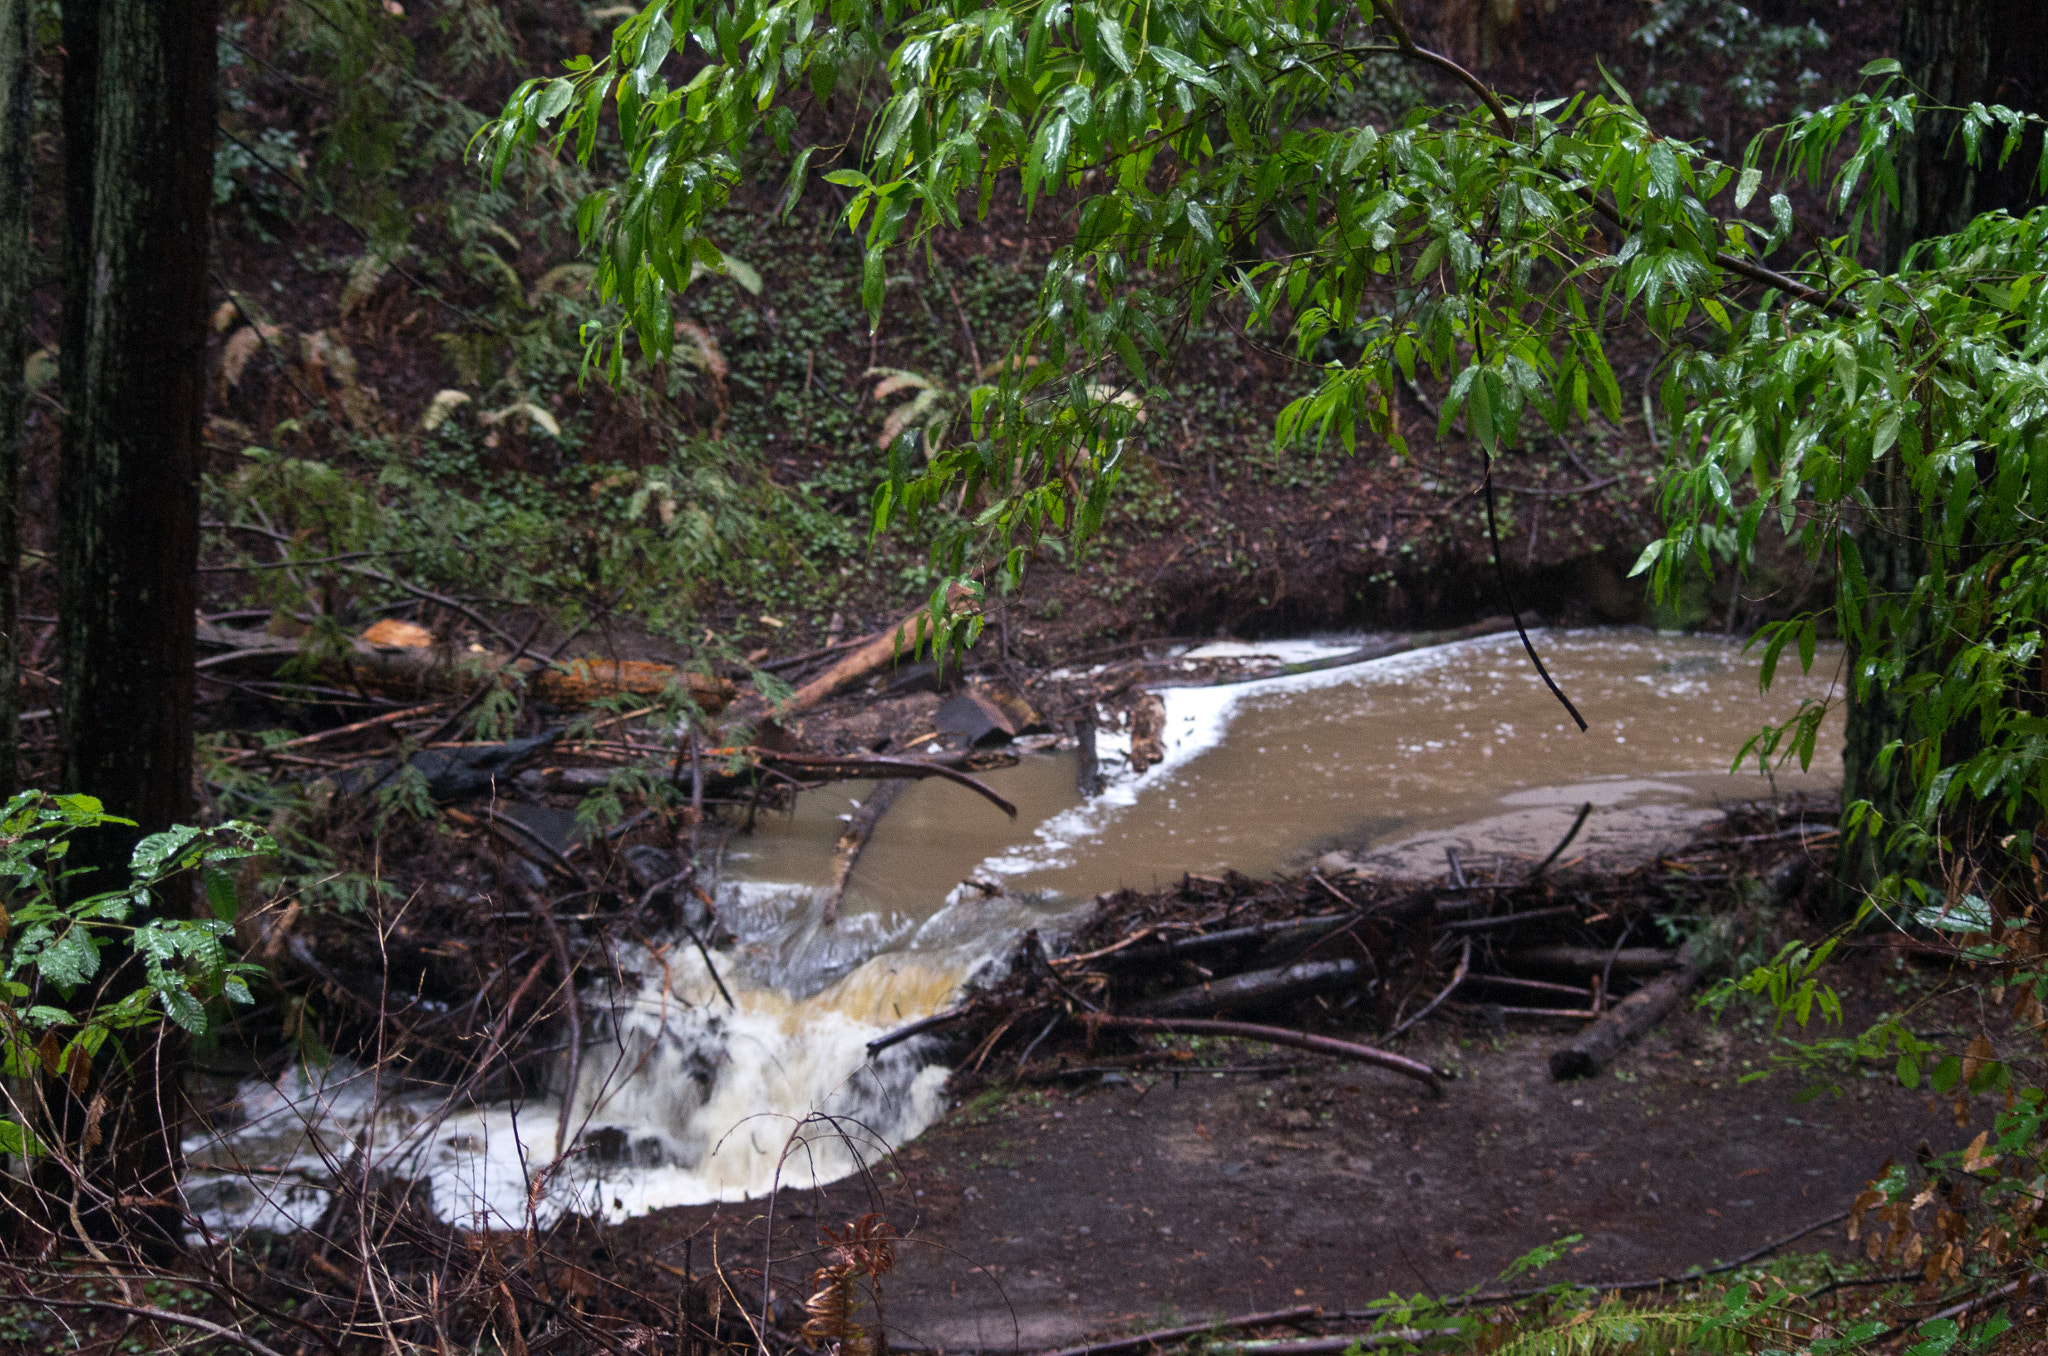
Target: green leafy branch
{"type": "Point", "coordinates": [52, 1017]}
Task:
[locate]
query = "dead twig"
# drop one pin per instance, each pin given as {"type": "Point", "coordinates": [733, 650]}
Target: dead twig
{"type": "Point", "coordinates": [561, 948]}
{"type": "Point", "coordinates": [1162, 1336]}
{"type": "Point", "coordinates": [226, 1334]}
{"type": "Point", "coordinates": [1507, 920]}
{"type": "Point", "coordinates": [1565, 842]}
{"type": "Point", "coordinates": [882, 769]}
{"type": "Point", "coordinates": [321, 737]}
{"type": "Point", "coordinates": [1464, 968]}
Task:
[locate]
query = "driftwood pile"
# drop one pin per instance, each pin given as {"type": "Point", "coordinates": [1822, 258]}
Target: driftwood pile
{"type": "Point", "coordinates": [1345, 964]}
{"type": "Point", "coordinates": [1323, 962]}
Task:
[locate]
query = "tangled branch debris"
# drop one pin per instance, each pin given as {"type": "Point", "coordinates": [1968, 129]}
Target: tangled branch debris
{"type": "Point", "coordinates": [1330, 961]}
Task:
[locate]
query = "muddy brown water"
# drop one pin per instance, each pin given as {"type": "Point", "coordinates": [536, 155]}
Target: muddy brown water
{"type": "Point", "coordinates": [1387, 762]}
{"type": "Point", "coordinates": [685, 1097]}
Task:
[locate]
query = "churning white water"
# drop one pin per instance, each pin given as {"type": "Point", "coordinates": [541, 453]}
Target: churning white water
{"type": "Point", "coordinates": [681, 1096]}
{"type": "Point", "coordinates": [685, 1097]}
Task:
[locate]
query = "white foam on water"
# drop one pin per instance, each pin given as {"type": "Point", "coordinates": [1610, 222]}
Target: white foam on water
{"type": "Point", "coordinates": [1197, 720]}
{"type": "Point", "coordinates": [681, 1097]}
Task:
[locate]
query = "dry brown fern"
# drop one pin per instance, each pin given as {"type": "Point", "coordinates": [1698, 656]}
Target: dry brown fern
{"type": "Point", "coordinates": [864, 1253]}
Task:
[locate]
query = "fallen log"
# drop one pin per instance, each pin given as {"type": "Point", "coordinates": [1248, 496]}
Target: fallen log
{"type": "Point", "coordinates": [860, 826]}
{"type": "Point", "coordinates": [418, 670]}
{"type": "Point", "coordinates": [853, 839]}
{"type": "Point", "coordinates": [1290, 947]}
{"type": "Point", "coordinates": [1273, 1035]}
{"type": "Point", "coordinates": [1253, 989]}
{"type": "Point", "coordinates": [1599, 1043]}
{"type": "Point", "coordinates": [1634, 960]}
{"type": "Point", "coordinates": [899, 640]}
{"type": "Point", "coordinates": [1088, 765]}
{"type": "Point", "coordinates": [453, 774]}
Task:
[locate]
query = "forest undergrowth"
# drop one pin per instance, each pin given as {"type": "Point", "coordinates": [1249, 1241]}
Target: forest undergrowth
{"type": "Point", "coordinates": [404, 432]}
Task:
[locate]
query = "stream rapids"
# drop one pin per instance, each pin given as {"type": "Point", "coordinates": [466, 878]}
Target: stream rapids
{"type": "Point", "coordinates": [683, 1097]}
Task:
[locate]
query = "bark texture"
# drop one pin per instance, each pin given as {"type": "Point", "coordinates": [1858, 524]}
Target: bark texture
{"type": "Point", "coordinates": [1959, 52]}
{"type": "Point", "coordinates": [138, 106]}
{"type": "Point", "coordinates": [17, 73]}
{"type": "Point", "coordinates": [135, 352]}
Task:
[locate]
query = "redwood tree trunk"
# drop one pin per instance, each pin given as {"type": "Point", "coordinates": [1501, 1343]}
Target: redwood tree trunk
{"type": "Point", "coordinates": [139, 130]}
{"type": "Point", "coordinates": [17, 75]}
{"type": "Point", "coordinates": [128, 484]}
{"type": "Point", "coordinates": [1958, 52]}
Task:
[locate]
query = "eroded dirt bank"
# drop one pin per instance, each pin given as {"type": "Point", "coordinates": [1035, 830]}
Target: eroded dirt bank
{"type": "Point", "coordinates": [1088, 1184]}
{"type": "Point", "coordinates": [1038, 1215]}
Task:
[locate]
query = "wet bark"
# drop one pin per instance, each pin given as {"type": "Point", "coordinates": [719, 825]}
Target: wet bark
{"type": "Point", "coordinates": [1889, 541]}
{"type": "Point", "coordinates": [138, 106]}
{"type": "Point", "coordinates": [853, 839]}
{"type": "Point", "coordinates": [17, 74]}
{"type": "Point", "coordinates": [1959, 52]}
{"type": "Point", "coordinates": [1597, 1046]}
{"type": "Point", "coordinates": [128, 481]}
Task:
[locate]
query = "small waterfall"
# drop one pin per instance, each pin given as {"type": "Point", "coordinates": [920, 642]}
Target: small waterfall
{"type": "Point", "coordinates": [681, 1097]}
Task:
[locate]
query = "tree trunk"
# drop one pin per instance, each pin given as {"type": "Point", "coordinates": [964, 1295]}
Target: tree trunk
{"type": "Point", "coordinates": [17, 78]}
{"type": "Point", "coordinates": [139, 131]}
{"type": "Point", "coordinates": [1958, 52]}
{"type": "Point", "coordinates": [128, 492]}
{"type": "Point", "coordinates": [1889, 539]}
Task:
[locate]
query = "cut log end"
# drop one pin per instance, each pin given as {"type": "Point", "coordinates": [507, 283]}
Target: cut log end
{"type": "Point", "coordinates": [1604, 1039]}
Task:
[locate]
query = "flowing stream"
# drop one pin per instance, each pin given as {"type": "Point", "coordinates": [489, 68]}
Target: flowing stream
{"type": "Point", "coordinates": [684, 1098]}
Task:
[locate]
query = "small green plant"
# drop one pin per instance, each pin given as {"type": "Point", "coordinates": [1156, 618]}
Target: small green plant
{"type": "Point", "coordinates": [52, 1017]}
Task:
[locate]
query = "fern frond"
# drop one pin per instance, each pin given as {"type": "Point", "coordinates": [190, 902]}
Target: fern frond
{"type": "Point", "coordinates": [1618, 1330]}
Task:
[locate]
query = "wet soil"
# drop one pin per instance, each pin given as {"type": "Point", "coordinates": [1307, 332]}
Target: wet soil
{"type": "Point", "coordinates": [1037, 1216]}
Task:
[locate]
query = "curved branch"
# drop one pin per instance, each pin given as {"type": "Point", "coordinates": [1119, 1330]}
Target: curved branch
{"type": "Point", "coordinates": [1756, 273]}
{"type": "Point", "coordinates": [1409, 48]}
{"type": "Point", "coordinates": [883, 769]}
{"type": "Point", "coordinates": [226, 1334]}
{"type": "Point", "coordinates": [1274, 1035]}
